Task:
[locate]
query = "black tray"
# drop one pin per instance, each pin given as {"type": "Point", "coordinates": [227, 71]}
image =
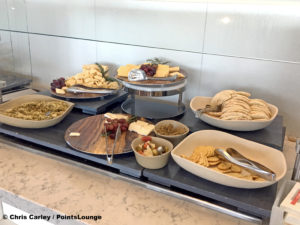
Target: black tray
{"type": "Point", "coordinates": [253, 201]}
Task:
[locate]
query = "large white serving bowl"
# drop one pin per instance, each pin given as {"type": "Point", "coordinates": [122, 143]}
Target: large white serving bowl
{"type": "Point", "coordinates": [200, 102]}
{"type": "Point", "coordinates": [267, 156]}
{"type": "Point", "coordinates": [16, 122]}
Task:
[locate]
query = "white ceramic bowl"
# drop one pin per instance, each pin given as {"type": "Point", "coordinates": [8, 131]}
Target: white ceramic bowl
{"type": "Point", "coordinates": [199, 102]}
{"type": "Point", "coordinates": [152, 162]}
{"type": "Point", "coordinates": [267, 156]}
{"type": "Point", "coordinates": [175, 139]}
{"type": "Point", "coordinates": [31, 123]}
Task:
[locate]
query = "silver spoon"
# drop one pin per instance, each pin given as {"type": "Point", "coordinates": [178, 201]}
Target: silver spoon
{"type": "Point", "coordinates": [139, 75]}
{"type": "Point", "coordinates": [235, 157]}
{"type": "Point", "coordinates": [160, 150]}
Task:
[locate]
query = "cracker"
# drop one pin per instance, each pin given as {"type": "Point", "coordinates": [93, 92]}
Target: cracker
{"type": "Point", "coordinates": [214, 163]}
{"type": "Point", "coordinates": [224, 165]}
{"type": "Point", "coordinates": [235, 169]}
{"type": "Point", "coordinates": [213, 159]}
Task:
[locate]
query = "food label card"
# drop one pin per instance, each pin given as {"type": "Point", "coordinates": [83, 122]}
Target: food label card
{"type": "Point", "coordinates": [291, 203]}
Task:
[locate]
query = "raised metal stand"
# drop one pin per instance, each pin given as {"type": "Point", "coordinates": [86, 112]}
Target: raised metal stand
{"type": "Point", "coordinates": [138, 104]}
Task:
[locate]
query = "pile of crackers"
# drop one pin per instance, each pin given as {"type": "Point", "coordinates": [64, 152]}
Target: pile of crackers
{"type": "Point", "coordinates": [92, 77]}
{"type": "Point", "coordinates": [206, 156]}
{"type": "Point", "coordinates": [236, 105]}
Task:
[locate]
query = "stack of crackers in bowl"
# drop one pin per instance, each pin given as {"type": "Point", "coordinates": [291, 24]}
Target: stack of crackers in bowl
{"type": "Point", "coordinates": [206, 156]}
{"type": "Point", "coordinates": [236, 105]}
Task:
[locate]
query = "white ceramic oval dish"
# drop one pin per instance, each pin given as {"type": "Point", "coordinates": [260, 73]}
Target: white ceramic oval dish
{"type": "Point", "coordinates": [152, 162]}
{"type": "Point", "coordinates": [267, 156]}
{"type": "Point", "coordinates": [236, 125]}
{"type": "Point", "coordinates": [31, 123]}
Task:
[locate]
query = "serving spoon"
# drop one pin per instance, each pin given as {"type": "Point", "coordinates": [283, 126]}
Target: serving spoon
{"type": "Point", "coordinates": [139, 75]}
{"type": "Point", "coordinates": [237, 158]}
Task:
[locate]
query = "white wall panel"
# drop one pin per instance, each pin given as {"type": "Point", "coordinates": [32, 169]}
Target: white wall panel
{"type": "Point", "coordinates": [3, 15]}
{"type": "Point", "coordinates": [275, 82]}
{"type": "Point", "coordinates": [257, 30]}
{"type": "Point", "coordinates": [117, 55]}
{"type": "Point", "coordinates": [74, 18]}
{"type": "Point", "coordinates": [174, 25]}
{"type": "Point", "coordinates": [17, 15]}
{"type": "Point", "coordinates": [54, 57]}
{"type": "Point", "coordinates": [6, 58]}
{"type": "Point", "coordinates": [21, 53]}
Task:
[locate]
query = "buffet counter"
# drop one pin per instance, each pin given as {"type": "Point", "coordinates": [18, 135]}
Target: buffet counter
{"type": "Point", "coordinates": [41, 183]}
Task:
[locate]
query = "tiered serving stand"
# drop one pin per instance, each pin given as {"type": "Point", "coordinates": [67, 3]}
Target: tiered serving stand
{"type": "Point", "coordinates": [140, 104]}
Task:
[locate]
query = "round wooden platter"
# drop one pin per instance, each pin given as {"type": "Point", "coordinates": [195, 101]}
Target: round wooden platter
{"type": "Point", "coordinates": [152, 82]}
{"type": "Point", "coordinates": [91, 139]}
{"type": "Point", "coordinates": [70, 95]}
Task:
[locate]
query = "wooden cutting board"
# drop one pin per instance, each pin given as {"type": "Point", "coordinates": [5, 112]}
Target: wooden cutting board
{"type": "Point", "coordinates": [91, 139]}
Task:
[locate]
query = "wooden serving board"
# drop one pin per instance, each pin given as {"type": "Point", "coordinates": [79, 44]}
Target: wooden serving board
{"type": "Point", "coordinates": [70, 95]}
{"type": "Point", "coordinates": [91, 139]}
{"type": "Point", "coordinates": [152, 82]}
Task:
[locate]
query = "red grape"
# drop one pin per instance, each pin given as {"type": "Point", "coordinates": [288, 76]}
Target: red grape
{"type": "Point", "coordinates": [112, 136]}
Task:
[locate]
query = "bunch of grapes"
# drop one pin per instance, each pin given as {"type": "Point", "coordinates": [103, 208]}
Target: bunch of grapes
{"type": "Point", "coordinates": [59, 83]}
{"type": "Point", "coordinates": [150, 69]}
{"type": "Point", "coordinates": [112, 126]}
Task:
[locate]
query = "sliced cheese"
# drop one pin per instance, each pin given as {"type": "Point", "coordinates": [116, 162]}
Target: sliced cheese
{"type": "Point", "coordinates": [177, 73]}
{"type": "Point", "coordinates": [162, 71]}
{"type": "Point", "coordinates": [60, 91]}
{"type": "Point", "coordinates": [174, 69]}
{"type": "Point", "coordinates": [74, 134]}
{"type": "Point", "coordinates": [116, 116]}
{"type": "Point", "coordinates": [124, 70]}
{"type": "Point", "coordinates": [141, 127]}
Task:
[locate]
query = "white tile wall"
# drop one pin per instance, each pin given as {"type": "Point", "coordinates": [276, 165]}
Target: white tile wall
{"type": "Point", "coordinates": [6, 58]}
{"type": "Point", "coordinates": [21, 53]}
{"type": "Point", "coordinates": [74, 18]}
{"type": "Point", "coordinates": [54, 57]}
{"type": "Point", "coordinates": [277, 83]}
{"type": "Point", "coordinates": [117, 55]}
{"type": "Point", "coordinates": [173, 25]}
{"type": "Point", "coordinates": [245, 29]}
{"type": "Point", "coordinates": [3, 15]}
{"type": "Point", "coordinates": [257, 30]}
{"type": "Point", "coordinates": [17, 15]}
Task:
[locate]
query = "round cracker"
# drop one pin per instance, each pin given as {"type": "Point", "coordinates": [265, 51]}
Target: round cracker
{"type": "Point", "coordinates": [224, 165]}
{"type": "Point", "coordinates": [213, 159]}
{"type": "Point", "coordinates": [235, 169]}
{"type": "Point", "coordinates": [214, 163]}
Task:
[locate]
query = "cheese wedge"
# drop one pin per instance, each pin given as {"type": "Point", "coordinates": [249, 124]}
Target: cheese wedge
{"type": "Point", "coordinates": [141, 127]}
{"type": "Point", "coordinates": [162, 71]}
{"type": "Point", "coordinates": [124, 70]}
{"type": "Point", "coordinates": [116, 116]}
{"type": "Point", "coordinates": [177, 73]}
{"type": "Point", "coordinates": [174, 69]}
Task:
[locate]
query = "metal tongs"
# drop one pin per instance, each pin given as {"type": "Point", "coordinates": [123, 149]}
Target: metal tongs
{"type": "Point", "coordinates": [236, 158]}
{"type": "Point", "coordinates": [110, 158]}
{"type": "Point", "coordinates": [138, 75]}
{"type": "Point", "coordinates": [81, 89]}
